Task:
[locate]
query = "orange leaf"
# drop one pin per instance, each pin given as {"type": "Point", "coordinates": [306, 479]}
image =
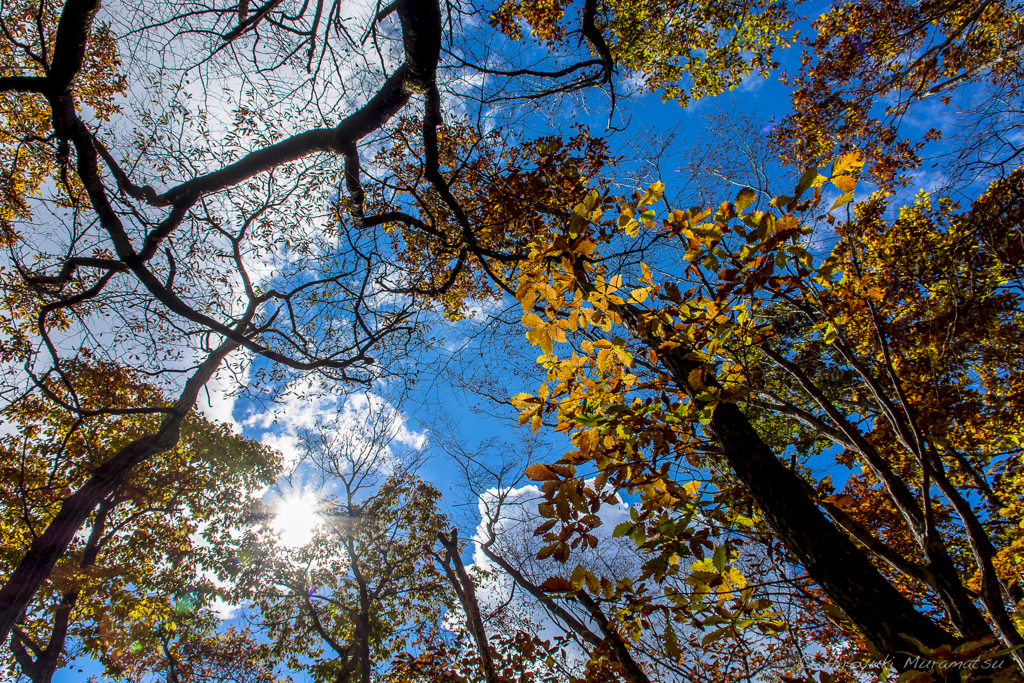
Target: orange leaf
{"type": "Point", "coordinates": [541, 473]}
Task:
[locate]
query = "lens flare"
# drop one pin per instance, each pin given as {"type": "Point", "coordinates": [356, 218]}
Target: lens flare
{"type": "Point", "coordinates": [297, 519]}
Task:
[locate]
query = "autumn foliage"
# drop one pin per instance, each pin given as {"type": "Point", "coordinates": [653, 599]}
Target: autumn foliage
{"type": "Point", "coordinates": [783, 429]}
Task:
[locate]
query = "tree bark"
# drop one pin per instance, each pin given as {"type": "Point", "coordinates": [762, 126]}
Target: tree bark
{"type": "Point", "coordinates": [42, 556]}
{"type": "Point", "coordinates": [41, 669]}
{"type": "Point", "coordinates": [879, 611]}
{"type": "Point", "coordinates": [463, 586]}
{"type": "Point", "coordinates": [944, 580]}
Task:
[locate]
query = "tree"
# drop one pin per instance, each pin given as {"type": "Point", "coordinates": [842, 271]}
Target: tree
{"type": "Point", "coordinates": [682, 50]}
{"type": "Point", "coordinates": [346, 603]}
{"type": "Point", "coordinates": [563, 278]}
{"type": "Point", "coordinates": [192, 649]}
{"type": "Point", "coordinates": [869, 64]}
{"type": "Point", "coordinates": [159, 260]}
{"type": "Point", "coordinates": [777, 347]}
{"type": "Point", "coordinates": [149, 269]}
{"type": "Point", "coordinates": [143, 543]}
{"type": "Point", "coordinates": [791, 511]}
{"type": "Point", "coordinates": [608, 623]}
{"type": "Point", "coordinates": [905, 272]}
{"type": "Point", "coordinates": [712, 333]}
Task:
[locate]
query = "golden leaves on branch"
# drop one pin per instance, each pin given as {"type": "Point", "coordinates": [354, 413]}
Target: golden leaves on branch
{"type": "Point", "coordinates": [684, 50]}
{"type": "Point", "coordinates": [871, 61]}
{"type": "Point", "coordinates": [25, 126]}
{"type": "Point", "coordinates": [594, 396]}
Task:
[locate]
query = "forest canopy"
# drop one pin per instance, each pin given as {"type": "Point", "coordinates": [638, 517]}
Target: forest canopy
{"type": "Point", "coordinates": [528, 341]}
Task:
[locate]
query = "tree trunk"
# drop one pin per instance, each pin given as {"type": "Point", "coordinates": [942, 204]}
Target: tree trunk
{"type": "Point", "coordinates": [879, 611]}
{"type": "Point", "coordinates": [37, 564]}
{"type": "Point", "coordinates": [463, 585]}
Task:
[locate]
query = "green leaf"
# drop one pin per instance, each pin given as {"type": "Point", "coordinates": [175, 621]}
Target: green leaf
{"type": "Point", "coordinates": [719, 558]}
{"type": "Point", "coordinates": [715, 635]}
{"type": "Point", "coordinates": [830, 336]}
{"type": "Point", "coordinates": [623, 529]}
{"type": "Point", "coordinates": [807, 180]}
{"type": "Point", "coordinates": [671, 643]}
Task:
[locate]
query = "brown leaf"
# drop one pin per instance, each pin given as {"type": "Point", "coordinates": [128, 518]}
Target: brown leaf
{"type": "Point", "coordinates": [541, 473]}
{"type": "Point", "coordinates": [545, 527]}
{"type": "Point", "coordinates": [557, 584]}
{"type": "Point", "coordinates": [843, 502]}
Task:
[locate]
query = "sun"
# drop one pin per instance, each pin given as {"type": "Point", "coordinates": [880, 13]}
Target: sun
{"type": "Point", "coordinates": [297, 518]}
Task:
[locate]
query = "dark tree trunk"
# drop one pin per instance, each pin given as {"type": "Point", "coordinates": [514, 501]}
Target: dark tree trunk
{"type": "Point", "coordinates": [42, 556]}
{"type": "Point", "coordinates": [846, 575]}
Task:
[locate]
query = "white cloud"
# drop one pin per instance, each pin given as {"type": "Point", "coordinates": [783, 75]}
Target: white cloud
{"type": "Point", "coordinates": [509, 508]}
{"type": "Point", "coordinates": [358, 417]}
{"type": "Point", "coordinates": [224, 609]}
{"type": "Point", "coordinates": [217, 402]}
{"type": "Point", "coordinates": [752, 82]}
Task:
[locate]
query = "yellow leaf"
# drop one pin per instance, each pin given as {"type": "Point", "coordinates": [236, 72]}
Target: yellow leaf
{"type": "Point", "coordinates": [653, 193]}
{"type": "Point", "coordinates": [532, 320]}
{"type": "Point", "coordinates": [647, 274]}
{"type": "Point", "coordinates": [844, 182]}
{"type": "Point", "coordinates": [843, 200]}
{"type": "Point", "coordinates": [578, 576]}
{"type": "Point", "coordinates": [745, 198]}
{"type": "Point", "coordinates": [640, 294]}
{"type": "Point", "coordinates": [546, 343]}
{"type": "Point", "coordinates": [848, 162]}
{"type": "Point", "coordinates": [574, 320]}
{"type": "Point", "coordinates": [809, 179]}
{"type": "Point", "coordinates": [875, 293]}
{"type": "Point", "coordinates": [529, 299]}
{"type": "Point", "coordinates": [736, 578]}
{"type": "Point", "coordinates": [524, 286]}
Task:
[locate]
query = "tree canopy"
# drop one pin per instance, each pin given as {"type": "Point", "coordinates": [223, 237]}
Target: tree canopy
{"type": "Point", "coordinates": [753, 413]}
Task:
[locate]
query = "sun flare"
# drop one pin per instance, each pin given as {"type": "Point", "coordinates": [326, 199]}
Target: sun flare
{"type": "Point", "coordinates": [297, 519]}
